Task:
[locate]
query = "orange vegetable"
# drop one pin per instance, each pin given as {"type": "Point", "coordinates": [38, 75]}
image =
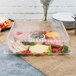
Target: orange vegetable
{"type": "Point", "coordinates": [8, 23]}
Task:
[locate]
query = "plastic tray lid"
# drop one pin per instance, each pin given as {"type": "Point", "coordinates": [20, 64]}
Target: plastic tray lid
{"type": "Point", "coordinates": [30, 26]}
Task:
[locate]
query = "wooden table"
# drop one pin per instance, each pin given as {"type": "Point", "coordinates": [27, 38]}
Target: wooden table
{"type": "Point", "coordinates": [55, 65]}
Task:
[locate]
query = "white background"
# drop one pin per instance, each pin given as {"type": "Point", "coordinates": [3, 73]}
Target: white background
{"type": "Point", "coordinates": [31, 9]}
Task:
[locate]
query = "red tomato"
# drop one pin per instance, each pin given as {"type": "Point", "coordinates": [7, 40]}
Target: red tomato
{"type": "Point", "coordinates": [60, 48]}
{"type": "Point", "coordinates": [54, 50]}
{"type": "Point", "coordinates": [29, 52]}
{"type": "Point", "coordinates": [44, 32]}
{"type": "Point", "coordinates": [46, 37]}
{"type": "Point", "coordinates": [59, 51]}
{"type": "Point", "coordinates": [24, 51]}
{"type": "Point", "coordinates": [3, 27]}
{"type": "Point", "coordinates": [0, 26]}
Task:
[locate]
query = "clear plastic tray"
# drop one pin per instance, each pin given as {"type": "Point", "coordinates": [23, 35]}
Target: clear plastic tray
{"type": "Point", "coordinates": [38, 38]}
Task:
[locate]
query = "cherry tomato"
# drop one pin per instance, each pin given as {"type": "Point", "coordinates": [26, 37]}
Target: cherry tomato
{"type": "Point", "coordinates": [24, 51]}
{"type": "Point", "coordinates": [46, 37]}
{"type": "Point", "coordinates": [3, 27]}
{"type": "Point", "coordinates": [29, 52]}
{"type": "Point", "coordinates": [44, 32]}
{"type": "Point", "coordinates": [60, 48]}
{"type": "Point", "coordinates": [54, 50]}
{"type": "Point", "coordinates": [0, 26]}
{"type": "Point", "coordinates": [59, 51]}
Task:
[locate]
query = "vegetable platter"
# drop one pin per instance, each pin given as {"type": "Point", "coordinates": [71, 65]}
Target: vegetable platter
{"type": "Point", "coordinates": [5, 24]}
{"type": "Point", "coordinates": [35, 38]}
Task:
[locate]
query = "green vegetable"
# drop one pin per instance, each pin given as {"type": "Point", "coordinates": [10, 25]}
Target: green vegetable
{"type": "Point", "coordinates": [32, 43]}
{"type": "Point", "coordinates": [65, 49]}
{"type": "Point", "coordinates": [18, 52]}
{"type": "Point", "coordinates": [50, 50]}
{"type": "Point", "coordinates": [28, 43]}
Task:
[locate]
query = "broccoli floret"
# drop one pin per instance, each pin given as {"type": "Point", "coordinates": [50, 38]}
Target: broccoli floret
{"type": "Point", "coordinates": [65, 49]}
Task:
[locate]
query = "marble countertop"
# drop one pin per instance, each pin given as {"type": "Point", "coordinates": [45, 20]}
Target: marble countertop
{"type": "Point", "coordinates": [12, 65]}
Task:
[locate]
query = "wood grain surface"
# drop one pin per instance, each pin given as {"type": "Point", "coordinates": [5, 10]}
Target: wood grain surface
{"type": "Point", "coordinates": [26, 9]}
{"type": "Point", "coordinates": [56, 65]}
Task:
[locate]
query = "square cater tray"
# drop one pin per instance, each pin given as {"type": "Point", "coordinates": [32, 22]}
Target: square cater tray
{"type": "Point", "coordinates": [26, 29]}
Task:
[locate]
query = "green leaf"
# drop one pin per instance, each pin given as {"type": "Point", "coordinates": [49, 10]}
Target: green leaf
{"type": "Point", "coordinates": [32, 43]}
{"type": "Point", "coordinates": [28, 43]}
{"type": "Point", "coordinates": [50, 51]}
